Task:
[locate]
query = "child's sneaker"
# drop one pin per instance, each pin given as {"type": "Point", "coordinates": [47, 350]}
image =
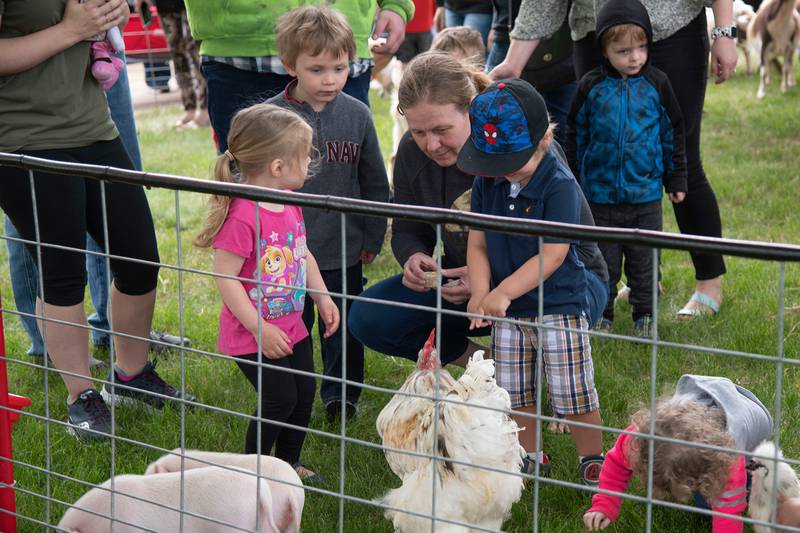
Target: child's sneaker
{"type": "Point", "coordinates": [88, 417]}
{"type": "Point", "coordinates": [642, 326]}
{"type": "Point", "coordinates": [529, 466]}
{"type": "Point", "coordinates": [148, 383]}
{"type": "Point", "coordinates": [589, 470]}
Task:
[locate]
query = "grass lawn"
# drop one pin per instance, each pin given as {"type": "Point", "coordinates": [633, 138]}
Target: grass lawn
{"type": "Point", "coordinates": [752, 157]}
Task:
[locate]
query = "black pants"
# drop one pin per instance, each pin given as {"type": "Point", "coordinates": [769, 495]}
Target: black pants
{"type": "Point", "coordinates": [332, 356]}
{"type": "Point", "coordinates": [284, 397]}
{"type": "Point", "coordinates": [684, 59]}
{"type": "Point", "coordinates": [637, 260]}
{"type": "Point", "coordinates": [68, 207]}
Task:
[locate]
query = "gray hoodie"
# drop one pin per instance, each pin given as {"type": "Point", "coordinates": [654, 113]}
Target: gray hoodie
{"type": "Point", "coordinates": [748, 420]}
{"type": "Point", "coordinates": [351, 167]}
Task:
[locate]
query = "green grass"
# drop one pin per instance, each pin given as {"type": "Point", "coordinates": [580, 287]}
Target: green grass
{"type": "Point", "coordinates": [752, 156]}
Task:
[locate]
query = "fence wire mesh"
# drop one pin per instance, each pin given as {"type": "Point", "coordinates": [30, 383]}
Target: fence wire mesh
{"type": "Point", "coordinates": [47, 491]}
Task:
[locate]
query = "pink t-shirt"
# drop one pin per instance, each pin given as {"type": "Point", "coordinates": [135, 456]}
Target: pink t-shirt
{"type": "Point", "coordinates": [280, 263]}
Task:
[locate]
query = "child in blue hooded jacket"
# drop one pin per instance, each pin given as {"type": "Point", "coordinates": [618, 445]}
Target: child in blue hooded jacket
{"type": "Point", "coordinates": [624, 142]}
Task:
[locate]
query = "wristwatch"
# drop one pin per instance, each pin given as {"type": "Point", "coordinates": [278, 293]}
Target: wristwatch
{"type": "Point", "coordinates": [723, 31]}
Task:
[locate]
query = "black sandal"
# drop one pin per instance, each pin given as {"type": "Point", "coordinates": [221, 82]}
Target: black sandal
{"type": "Point", "coordinates": [308, 476]}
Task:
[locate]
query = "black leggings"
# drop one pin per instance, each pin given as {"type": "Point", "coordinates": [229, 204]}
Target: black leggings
{"type": "Point", "coordinates": [684, 59]}
{"type": "Point", "coordinates": [285, 397]}
{"type": "Point", "coordinates": [68, 207]}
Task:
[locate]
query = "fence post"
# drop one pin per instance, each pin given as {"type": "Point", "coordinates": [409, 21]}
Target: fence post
{"type": "Point", "coordinates": [8, 519]}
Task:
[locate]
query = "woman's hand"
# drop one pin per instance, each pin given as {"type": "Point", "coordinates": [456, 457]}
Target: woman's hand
{"type": "Point", "coordinates": [723, 59]}
{"type": "Point", "coordinates": [87, 19]}
{"type": "Point", "coordinates": [328, 313]}
{"type": "Point", "coordinates": [505, 71]}
{"type": "Point", "coordinates": [457, 291]}
{"type": "Point", "coordinates": [414, 271]}
{"type": "Point", "coordinates": [275, 343]}
{"type": "Point", "coordinates": [595, 521]}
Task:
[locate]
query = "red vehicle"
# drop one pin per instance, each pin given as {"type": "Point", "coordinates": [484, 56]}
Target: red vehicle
{"type": "Point", "coordinates": [145, 42]}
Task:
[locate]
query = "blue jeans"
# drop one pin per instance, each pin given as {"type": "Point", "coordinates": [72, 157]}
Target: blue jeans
{"type": "Point", "coordinates": [497, 53]}
{"type": "Point", "coordinates": [402, 331]}
{"type": "Point", "coordinates": [558, 103]}
{"type": "Point", "coordinates": [231, 89]}
{"type": "Point", "coordinates": [22, 267]}
{"type": "Point", "coordinates": [157, 74]}
{"type": "Point", "coordinates": [479, 21]}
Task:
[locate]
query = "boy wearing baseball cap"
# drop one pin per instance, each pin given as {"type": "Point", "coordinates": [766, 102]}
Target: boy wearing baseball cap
{"type": "Point", "coordinates": [519, 175]}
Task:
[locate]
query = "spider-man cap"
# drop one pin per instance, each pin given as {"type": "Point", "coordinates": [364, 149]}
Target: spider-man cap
{"type": "Point", "coordinates": [507, 120]}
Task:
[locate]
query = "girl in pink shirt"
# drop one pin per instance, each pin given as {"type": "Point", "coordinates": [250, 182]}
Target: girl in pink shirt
{"type": "Point", "coordinates": [705, 410]}
{"type": "Point", "coordinates": [264, 246]}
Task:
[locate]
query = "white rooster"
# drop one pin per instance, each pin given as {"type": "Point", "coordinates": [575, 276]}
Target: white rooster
{"type": "Point", "coordinates": [465, 433]}
{"type": "Point", "coordinates": [763, 474]}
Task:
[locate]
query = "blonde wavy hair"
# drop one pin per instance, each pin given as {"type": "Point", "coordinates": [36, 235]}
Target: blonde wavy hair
{"type": "Point", "coordinates": [438, 78]}
{"type": "Point", "coordinates": [259, 135]}
{"type": "Point", "coordinates": [679, 470]}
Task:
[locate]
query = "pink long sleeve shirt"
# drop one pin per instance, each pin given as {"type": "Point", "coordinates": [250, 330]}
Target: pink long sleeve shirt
{"type": "Point", "coordinates": [616, 473]}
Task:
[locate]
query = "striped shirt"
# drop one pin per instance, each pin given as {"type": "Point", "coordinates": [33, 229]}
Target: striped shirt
{"type": "Point", "coordinates": [272, 64]}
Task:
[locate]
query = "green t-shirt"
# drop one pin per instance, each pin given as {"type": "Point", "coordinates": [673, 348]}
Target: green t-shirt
{"type": "Point", "coordinates": [57, 103]}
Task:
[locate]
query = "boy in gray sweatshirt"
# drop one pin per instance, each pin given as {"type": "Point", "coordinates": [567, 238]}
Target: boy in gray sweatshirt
{"type": "Point", "coordinates": [316, 45]}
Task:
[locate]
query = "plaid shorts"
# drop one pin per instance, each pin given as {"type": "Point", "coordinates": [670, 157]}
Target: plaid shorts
{"type": "Point", "coordinates": [567, 363]}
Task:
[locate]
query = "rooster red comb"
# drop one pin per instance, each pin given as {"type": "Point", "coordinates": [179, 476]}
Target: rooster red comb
{"type": "Point", "coordinates": [426, 357]}
{"type": "Point", "coordinates": [430, 344]}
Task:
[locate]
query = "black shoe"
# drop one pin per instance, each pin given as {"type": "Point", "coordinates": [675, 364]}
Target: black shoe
{"type": "Point", "coordinates": [145, 385]}
{"type": "Point", "coordinates": [308, 476]}
{"type": "Point", "coordinates": [529, 466]}
{"type": "Point", "coordinates": [589, 470]}
{"type": "Point", "coordinates": [165, 341]}
{"type": "Point", "coordinates": [88, 417]}
{"type": "Point", "coordinates": [333, 410]}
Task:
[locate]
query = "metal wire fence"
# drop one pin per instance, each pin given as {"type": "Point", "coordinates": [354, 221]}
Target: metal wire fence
{"type": "Point", "coordinates": [52, 505]}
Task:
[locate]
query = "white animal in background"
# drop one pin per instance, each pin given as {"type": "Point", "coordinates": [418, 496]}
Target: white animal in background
{"type": "Point", "coordinates": [776, 26]}
{"type": "Point", "coordinates": [214, 497]}
{"type": "Point", "coordinates": [286, 488]}
{"type": "Point", "coordinates": [465, 433]}
{"type": "Point", "coordinates": [764, 471]}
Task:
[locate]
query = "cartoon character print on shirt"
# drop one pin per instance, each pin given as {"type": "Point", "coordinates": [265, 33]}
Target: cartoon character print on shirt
{"type": "Point", "coordinates": [282, 269]}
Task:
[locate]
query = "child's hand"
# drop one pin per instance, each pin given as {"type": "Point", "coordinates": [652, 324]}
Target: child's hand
{"type": "Point", "coordinates": [275, 343]}
{"type": "Point", "coordinates": [474, 307]}
{"type": "Point", "coordinates": [329, 314]}
{"type": "Point", "coordinates": [496, 303]}
{"type": "Point", "coordinates": [367, 257]}
{"type": "Point", "coordinates": [595, 520]}
{"type": "Point", "coordinates": [676, 197]}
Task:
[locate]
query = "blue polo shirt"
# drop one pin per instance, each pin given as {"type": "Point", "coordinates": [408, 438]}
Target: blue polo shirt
{"type": "Point", "coordinates": [550, 195]}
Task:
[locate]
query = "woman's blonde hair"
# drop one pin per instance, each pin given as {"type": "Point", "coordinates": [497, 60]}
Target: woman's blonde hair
{"type": "Point", "coordinates": [259, 135]}
{"type": "Point", "coordinates": [437, 78]}
{"type": "Point", "coordinates": [680, 470]}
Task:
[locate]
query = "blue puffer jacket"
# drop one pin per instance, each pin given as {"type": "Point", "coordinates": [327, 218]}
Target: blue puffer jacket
{"type": "Point", "coordinates": [625, 138]}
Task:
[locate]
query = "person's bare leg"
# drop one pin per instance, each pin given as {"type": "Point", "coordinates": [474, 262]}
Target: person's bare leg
{"type": "Point", "coordinates": [588, 441]}
{"type": "Point", "coordinates": [132, 315]}
{"type": "Point", "coordinates": [527, 425]}
{"type": "Point", "coordinates": [67, 345]}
